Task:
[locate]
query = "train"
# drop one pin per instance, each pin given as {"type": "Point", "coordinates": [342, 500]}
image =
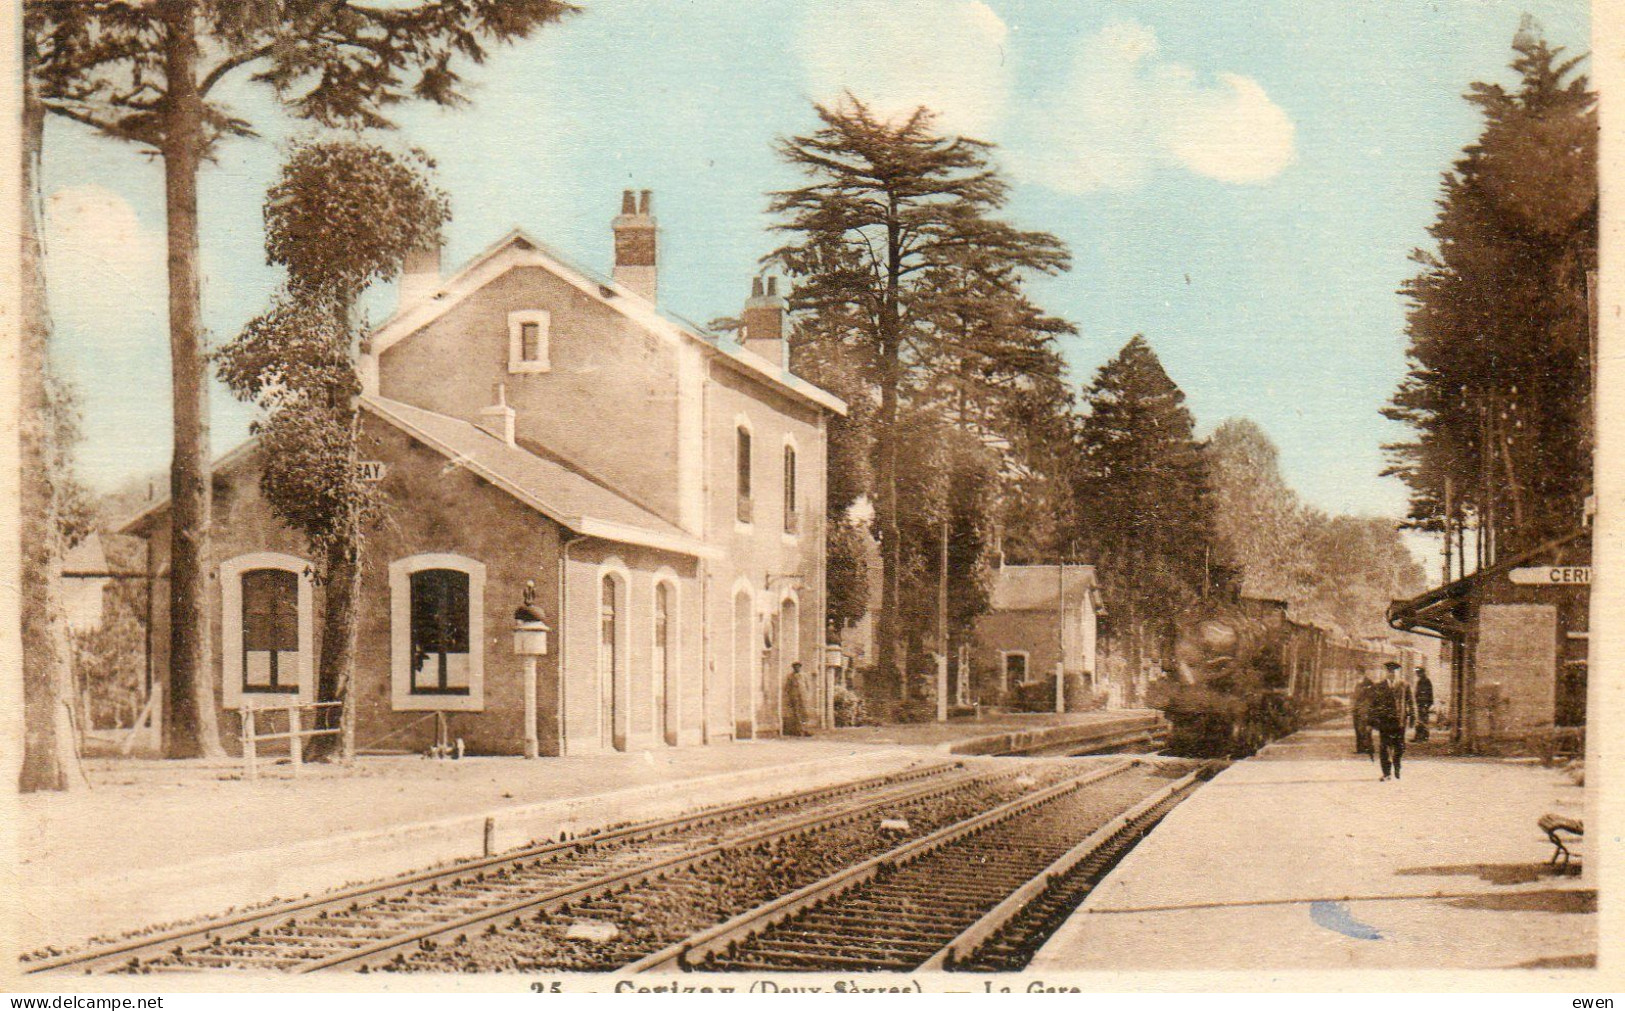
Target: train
{"type": "Point", "coordinates": [1244, 673]}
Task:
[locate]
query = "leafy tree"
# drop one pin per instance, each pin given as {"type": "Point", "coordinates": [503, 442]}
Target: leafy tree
{"type": "Point", "coordinates": [1498, 321]}
{"type": "Point", "coordinates": [889, 209]}
{"type": "Point", "coordinates": [343, 215]}
{"type": "Point", "coordinates": [150, 74]}
{"type": "Point", "coordinates": [1260, 526]}
{"type": "Point", "coordinates": [1338, 570]}
{"type": "Point", "coordinates": [1142, 496]}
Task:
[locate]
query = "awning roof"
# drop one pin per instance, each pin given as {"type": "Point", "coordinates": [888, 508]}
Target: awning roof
{"type": "Point", "coordinates": [1436, 609]}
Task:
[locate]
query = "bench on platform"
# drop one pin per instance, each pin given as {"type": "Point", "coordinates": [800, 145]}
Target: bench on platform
{"type": "Point", "coordinates": [1552, 824]}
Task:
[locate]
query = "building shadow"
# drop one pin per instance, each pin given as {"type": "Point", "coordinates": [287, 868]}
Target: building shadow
{"type": "Point", "coordinates": [1495, 874]}
{"type": "Point", "coordinates": [1552, 900]}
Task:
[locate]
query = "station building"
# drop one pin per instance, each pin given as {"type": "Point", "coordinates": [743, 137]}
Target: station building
{"type": "Point", "coordinates": [660, 488]}
{"type": "Point", "coordinates": [1519, 635]}
{"type": "Point", "coordinates": [1041, 619]}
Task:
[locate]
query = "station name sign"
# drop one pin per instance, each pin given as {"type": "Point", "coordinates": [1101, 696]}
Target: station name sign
{"type": "Point", "coordinates": [1552, 575]}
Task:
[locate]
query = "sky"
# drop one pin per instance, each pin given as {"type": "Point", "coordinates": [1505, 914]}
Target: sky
{"type": "Point", "coordinates": [1241, 183]}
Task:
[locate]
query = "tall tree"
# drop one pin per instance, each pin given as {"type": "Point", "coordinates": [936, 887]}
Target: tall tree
{"type": "Point", "coordinates": [1260, 526]}
{"type": "Point", "coordinates": [343, 215]}
{"type": "Point", "coordinates": [47, 496]}
{"type": "Point", "coordinates": [1339, 570]}
{"type": "Point", "coordinates": [1498, 320]}
{"type": "Point", "coordinates": [149, 73]}
{"type": "Point", "coordinates": [889, 205]}
{"type": "Point", "coordinates": [1142, 497]}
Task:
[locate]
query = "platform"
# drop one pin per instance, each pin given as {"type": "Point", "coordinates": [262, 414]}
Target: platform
{"type": "Point", "coordinates": [1302, 858]}
{"type": "Point", "coordinates": [159, 841]}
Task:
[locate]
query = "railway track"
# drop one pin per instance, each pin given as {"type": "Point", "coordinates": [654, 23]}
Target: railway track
{"type": "Point", "coordinates": [983, 890]}
{"type": "Point", "coordinates": [361, 927]}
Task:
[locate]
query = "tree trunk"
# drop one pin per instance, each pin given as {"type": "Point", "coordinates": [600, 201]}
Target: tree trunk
{"type": "Point", "coordinates": [191, 726]}
{"type": "Point", "coordinates": [336, 669]}
{"type": "Point", "coordinates": [891, 548]}
{"type": "Point", "coordinates": [50, 756]}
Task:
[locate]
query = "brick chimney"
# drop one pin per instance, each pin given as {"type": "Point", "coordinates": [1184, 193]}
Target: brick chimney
{"type": "Point", "coordinates": [635, 242]}
{"type": "Point", "coordinates": [497, 419]}
{"type": "Point", "coordinates": [766, 322]}
{"type": "Point", "coordinates": [420, 276]}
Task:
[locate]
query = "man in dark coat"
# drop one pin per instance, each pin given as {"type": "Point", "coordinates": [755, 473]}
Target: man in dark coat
{"type": "Point", "coordinates": [1424, 702]}
{"type": "Point", "coordinates": [1362, 714]}
{"type": "Point", "coordinates": [1392, 710]}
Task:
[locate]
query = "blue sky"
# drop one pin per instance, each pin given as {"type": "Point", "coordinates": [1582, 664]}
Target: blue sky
{"type": "Point", "coordinates": [1242, 183]}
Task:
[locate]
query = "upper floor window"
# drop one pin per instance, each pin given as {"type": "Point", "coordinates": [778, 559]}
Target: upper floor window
{"type": "Point", "coordinates": [528, 340]}
{"type": "Point", "coordinates": [742, 456]}
{"type": "Point", "coordinates": [792, 512]}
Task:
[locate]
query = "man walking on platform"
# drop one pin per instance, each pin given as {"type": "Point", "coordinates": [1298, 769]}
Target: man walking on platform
{"type": "Point", "coordinates": [1392, 710]}
{"type": "Point", "coordinates": [1362, 714]}
{"type": "Point", "coordinates": [1424, 702]}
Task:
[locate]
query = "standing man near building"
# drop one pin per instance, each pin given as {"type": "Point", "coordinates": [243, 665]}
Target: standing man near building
{"type": "Point", "coordinates": [1424, 702]}
{"type": "Point", "coordinates": [1392, 710]}
{"type": "Point", "coordinates": [1362, 714]}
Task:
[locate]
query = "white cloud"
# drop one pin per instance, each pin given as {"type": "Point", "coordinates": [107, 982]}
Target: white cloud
{"type": "Point", "coordinates": [1122, 113]}
{"type": "Point", "coordinates": [104, 270]}
{"type": "Point", "coordinates": [897, 55]}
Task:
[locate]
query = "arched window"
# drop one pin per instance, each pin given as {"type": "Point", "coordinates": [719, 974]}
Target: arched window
{"type": "Point", "coordinates": [792, 514]}
{"type": "Point", "coordinates": [742, 472]}
{"type": "Point", "coordinates": [267, 629]}
{"type": "Point", "coordinates": [611, 664]}
{"type": "Point", "coordinates": [437, 633]}
{"type": "Point", "coordinates": [662, 656]}
{"type": "Point", "coordinates": [270, 653]}
{"type": "Point", "coordinates": [440, 620]}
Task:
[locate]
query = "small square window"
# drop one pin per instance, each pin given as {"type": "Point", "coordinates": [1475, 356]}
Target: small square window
{"type": "Point", "coordinates": [528, 341]}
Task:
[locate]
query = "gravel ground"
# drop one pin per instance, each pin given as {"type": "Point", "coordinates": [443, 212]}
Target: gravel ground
{"type": "Point", "coordinates": [611, 931]}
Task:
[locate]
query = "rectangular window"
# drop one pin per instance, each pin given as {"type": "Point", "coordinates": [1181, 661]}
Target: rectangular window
{"type": "Point", "coordinates": [270, 630]}
{"type": "Point", "coordinates": [1015, 669]}
{"type": "Point", "coordinates": [742, 454]}
{"type": "Point", "coordinates": [528, 340]}
{"type": "Point", "coordinates": [440, 620]}
{"type": "Point", "coordinates": [792, 515]}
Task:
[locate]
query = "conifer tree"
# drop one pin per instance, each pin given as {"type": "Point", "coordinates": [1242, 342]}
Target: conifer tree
{"type": "Point", "coordinates": [1500, 335]}
{"type": "Point", "coordinates": [1142, 498]}
{"type": "Point", "coordinates": [891, 206]}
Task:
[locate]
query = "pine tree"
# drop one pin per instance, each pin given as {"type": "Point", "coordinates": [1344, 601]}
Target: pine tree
{"type": "Point", "coordinates": [1142, 498]}
{"type": "Point", "coordinates": [342, 215]}
{"type": "Point", "coordinates": [1498, 320]}
{"type": "Point", "coordinates": [147, 74]}
{"type": "Point", "coordinates": [890, 207]}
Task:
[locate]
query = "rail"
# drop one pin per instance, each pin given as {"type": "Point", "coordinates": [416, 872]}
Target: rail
{"type": "Point", "coordinates": [717, 939]}
{"type": "Point", "coordinates": [132, 952]}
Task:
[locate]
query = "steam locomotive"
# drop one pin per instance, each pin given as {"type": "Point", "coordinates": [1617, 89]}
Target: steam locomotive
{"type": "Point", "coordinates": [1244, 673]}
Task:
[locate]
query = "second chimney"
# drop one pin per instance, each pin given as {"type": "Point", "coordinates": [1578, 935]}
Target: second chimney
{"type": "Point", "coordinates": [635, 242]}
{"type": "Point", "coordinates": [420, 276]}
{"type": "Point", "coordinates": [766, 322]}
{"type": "Point", "coordinates": [498, 419]}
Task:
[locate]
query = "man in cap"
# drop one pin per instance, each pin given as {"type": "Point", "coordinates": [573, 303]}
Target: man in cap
{"type": "Point", "coordinates": [1362, 714]}
{"type": "Point", "coordinates": [1392, 710]}
{"type": "Point", "coordinates": [1424, 702]}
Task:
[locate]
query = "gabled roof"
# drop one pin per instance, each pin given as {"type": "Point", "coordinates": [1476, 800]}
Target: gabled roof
{"type": "Point", "coordinates": [548, 486]}
{"type": "Point", "coordinates": [1039, 587]}
{"type": "Point", "coordinates": [517, 249]}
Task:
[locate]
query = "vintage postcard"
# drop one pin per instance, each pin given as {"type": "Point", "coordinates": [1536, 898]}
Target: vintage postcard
{"type": "Point", "coordinates": [944, 495]}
